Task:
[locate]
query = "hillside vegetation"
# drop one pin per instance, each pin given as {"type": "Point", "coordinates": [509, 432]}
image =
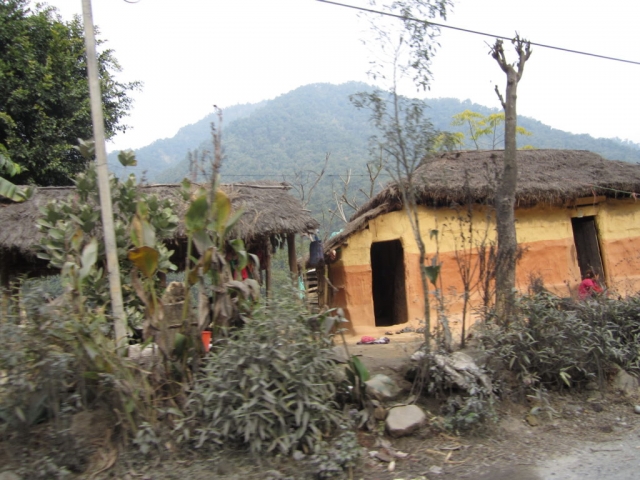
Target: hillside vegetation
{"type": "Point", "coordinates": [166, 152]}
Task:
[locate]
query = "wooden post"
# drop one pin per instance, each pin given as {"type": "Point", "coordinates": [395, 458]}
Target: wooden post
{"type": "Point", "coordinates": [5, 295]}
{"type": "Point", "coordinates": [293, 258]}
{"type": "Point", "coordinates": [322, 286]}
{"type": "Point", "coordinates": [267, 267]}
{"type": "Point", "coordinates": [4, 271]}
{"type": "Point", "coordinates": [97, 117]}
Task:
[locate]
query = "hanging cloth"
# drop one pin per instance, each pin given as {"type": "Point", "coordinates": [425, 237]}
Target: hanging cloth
{"type": "Point", "coordinates": [315, 253]}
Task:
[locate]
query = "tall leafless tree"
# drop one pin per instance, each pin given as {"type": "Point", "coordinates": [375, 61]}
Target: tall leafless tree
{"type": "Point", "coordinates": [506, 191]}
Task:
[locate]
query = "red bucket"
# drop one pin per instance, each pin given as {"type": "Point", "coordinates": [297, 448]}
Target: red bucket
{"type": "Point", "coordinates": [206, 339]}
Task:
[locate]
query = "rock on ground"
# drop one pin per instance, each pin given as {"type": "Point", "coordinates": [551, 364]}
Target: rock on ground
{"type": "Point", "coordinates": [381, 387]}
{"type": "Point", "coordinates": [627, 384]}
{"type": "Point", "coordinates": [404, 420]}
{"type": "Point", "coordinates": [9, 476]}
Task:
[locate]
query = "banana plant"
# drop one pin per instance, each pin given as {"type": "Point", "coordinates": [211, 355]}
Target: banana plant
{"type": "Point", "coordinates": [8, 189]}
{"type": "Point", "coordinates": [78, 267]}
{"type": "Point", "coordinates": [145, 258]}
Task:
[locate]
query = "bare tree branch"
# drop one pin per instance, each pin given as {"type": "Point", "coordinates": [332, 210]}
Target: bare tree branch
{"type": "Point", "coordinates": [302, 179]}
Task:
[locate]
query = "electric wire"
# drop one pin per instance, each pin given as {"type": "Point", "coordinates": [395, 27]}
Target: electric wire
{"type": "Point", "coordinates": [475, 32]}
{"type": "Point", "coordinates": [282, 175]}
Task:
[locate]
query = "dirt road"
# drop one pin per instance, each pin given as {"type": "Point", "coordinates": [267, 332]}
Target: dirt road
{"type": "Point", "coordinates": [617, 459]}
{"type": "Point", "coordinates": [588, 437]}
{"type": "Point", "coordinates": [613, 460]}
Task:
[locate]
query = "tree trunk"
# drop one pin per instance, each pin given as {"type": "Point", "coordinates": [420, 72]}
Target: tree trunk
{"type": "Point", "coordinates": [293, 258]}
{"type": "Point", "coordinates": [506, 192]}
{"type": "Point", "coordinates": [505, 206]}
{"type": "Point", "coordinates": [267, 269]}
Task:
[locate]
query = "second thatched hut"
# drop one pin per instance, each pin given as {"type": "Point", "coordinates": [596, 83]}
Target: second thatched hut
{"type": "Point", "coordinates": [272, 217]}
{"type": "Point", "coordinates": [575, 211]}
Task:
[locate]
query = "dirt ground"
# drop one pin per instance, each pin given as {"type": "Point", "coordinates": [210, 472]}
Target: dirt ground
{"type": "Point", "coordinates": [581, 436]}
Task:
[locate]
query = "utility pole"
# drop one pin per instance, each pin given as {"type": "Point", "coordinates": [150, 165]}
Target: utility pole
{"type": "Point", "coordinates": [117, 308]}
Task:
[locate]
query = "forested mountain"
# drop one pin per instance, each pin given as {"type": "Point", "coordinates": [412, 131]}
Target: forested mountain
{"type": "Point", "coordinates": [166, 152]}
{"type": "Point", "coordinates": [295, 131]}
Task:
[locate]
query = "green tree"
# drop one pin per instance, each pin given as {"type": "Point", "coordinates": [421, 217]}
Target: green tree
{"type": "Point", "coordinates": [44, 93]}
{"type": "Point", "coordinates": [480, 126]}
{"type": "Point", "coordinates": [417, 34]}
{"type": "Point", "coordinates": [406, 137]}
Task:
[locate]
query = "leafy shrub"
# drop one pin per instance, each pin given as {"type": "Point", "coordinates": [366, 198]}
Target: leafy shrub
{"type": "Point", "coordinates": [55, 362]}
{"type": "Point", "coordinates": [332, 459]}
{"type": "Point", "coordinates": [468, 413]}
{"type": "Point", "coordinates": [561, 343]}
{"type": "Point", "coordinates": [46, 468]}
{"type": "Point", "coordinates": [268, 386]}
{"type": "Point", "coordinates": [68, 225]}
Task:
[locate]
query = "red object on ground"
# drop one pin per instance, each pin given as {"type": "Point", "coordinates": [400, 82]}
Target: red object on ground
{"type": "Point", "coordinates": [206, 339]}
{"type": "Point", "coordinates": [367, 339]}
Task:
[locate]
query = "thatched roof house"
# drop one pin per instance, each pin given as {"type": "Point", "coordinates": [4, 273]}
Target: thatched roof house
{"type": "Point", "coordinates": [574, 211]}
{"type": "Point", "coordinates": [269, 211]}
{"type": "Point", "coordinates": [544, 177]}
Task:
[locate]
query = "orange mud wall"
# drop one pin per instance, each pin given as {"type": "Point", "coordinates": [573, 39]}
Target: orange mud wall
{"type": "Point", "coordinates": [545, 237]}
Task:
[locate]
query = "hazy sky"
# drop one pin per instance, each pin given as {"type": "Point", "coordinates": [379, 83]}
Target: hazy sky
{"type": "Point", "coordinates": [192, 54]}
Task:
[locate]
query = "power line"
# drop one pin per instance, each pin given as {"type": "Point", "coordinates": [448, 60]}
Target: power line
{"type": "Point", "coordinates": [475, 32]}
{"type": "Point", "coordinates": [285, 175]}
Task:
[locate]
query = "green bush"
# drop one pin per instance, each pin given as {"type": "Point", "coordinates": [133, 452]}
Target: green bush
{"type": "Point", "coordinates": [269, 386]}
{"type": "Point", "coordinates": [55, 362]}
{"type": "Point", "coordinates": [68, 225]}
{"type": "Point", "coordinates": [465, 414]}
{"type": "Point", "coordinates": [556, 342]}
{"type": "Point", "coordinates": [332, 459]}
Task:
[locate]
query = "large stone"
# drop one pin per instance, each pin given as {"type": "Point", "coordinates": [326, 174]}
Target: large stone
{"type": "Point", "coordinates": [627, 384]}
{"type": "Point", "coordinates": [8, 475]}
{"type": "Point", "coordinates": [405, 420]}
{"type": "Point", "coordinates": [381, 387]}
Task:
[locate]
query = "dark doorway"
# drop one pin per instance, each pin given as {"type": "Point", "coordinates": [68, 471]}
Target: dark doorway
{"type": "Point", "coordinates": [389, 293]}
{"type": "Point", "coordinates": [585, 236]}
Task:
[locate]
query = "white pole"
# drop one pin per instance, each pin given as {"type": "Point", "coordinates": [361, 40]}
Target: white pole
{"type": "Point", "coordinates": [97, 117]}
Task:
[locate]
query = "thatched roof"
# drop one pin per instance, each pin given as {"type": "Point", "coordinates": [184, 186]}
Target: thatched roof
{"type": "Point", "coordinates": [268, 208]}
{"type": "Point", "coordinates": [544, 176]}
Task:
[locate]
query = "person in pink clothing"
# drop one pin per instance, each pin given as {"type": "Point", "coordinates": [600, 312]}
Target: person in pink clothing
{"type": "Point", "coordinates": [589, 286]}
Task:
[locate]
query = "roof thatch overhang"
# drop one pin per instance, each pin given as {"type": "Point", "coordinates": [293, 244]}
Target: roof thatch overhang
{"type": "Point", "coordinates": [269, 210]}
{"type": "Point", "coordinates": [551, 177]}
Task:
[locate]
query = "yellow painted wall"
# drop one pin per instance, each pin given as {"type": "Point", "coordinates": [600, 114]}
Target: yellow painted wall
{"type": "Point", "coordinates": [618, 224]}
{"type": "Point", "coordinates": [544, 233]}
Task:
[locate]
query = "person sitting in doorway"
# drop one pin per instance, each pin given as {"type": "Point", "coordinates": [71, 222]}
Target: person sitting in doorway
{"type": "Point", "coordinates": [589, 285]}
